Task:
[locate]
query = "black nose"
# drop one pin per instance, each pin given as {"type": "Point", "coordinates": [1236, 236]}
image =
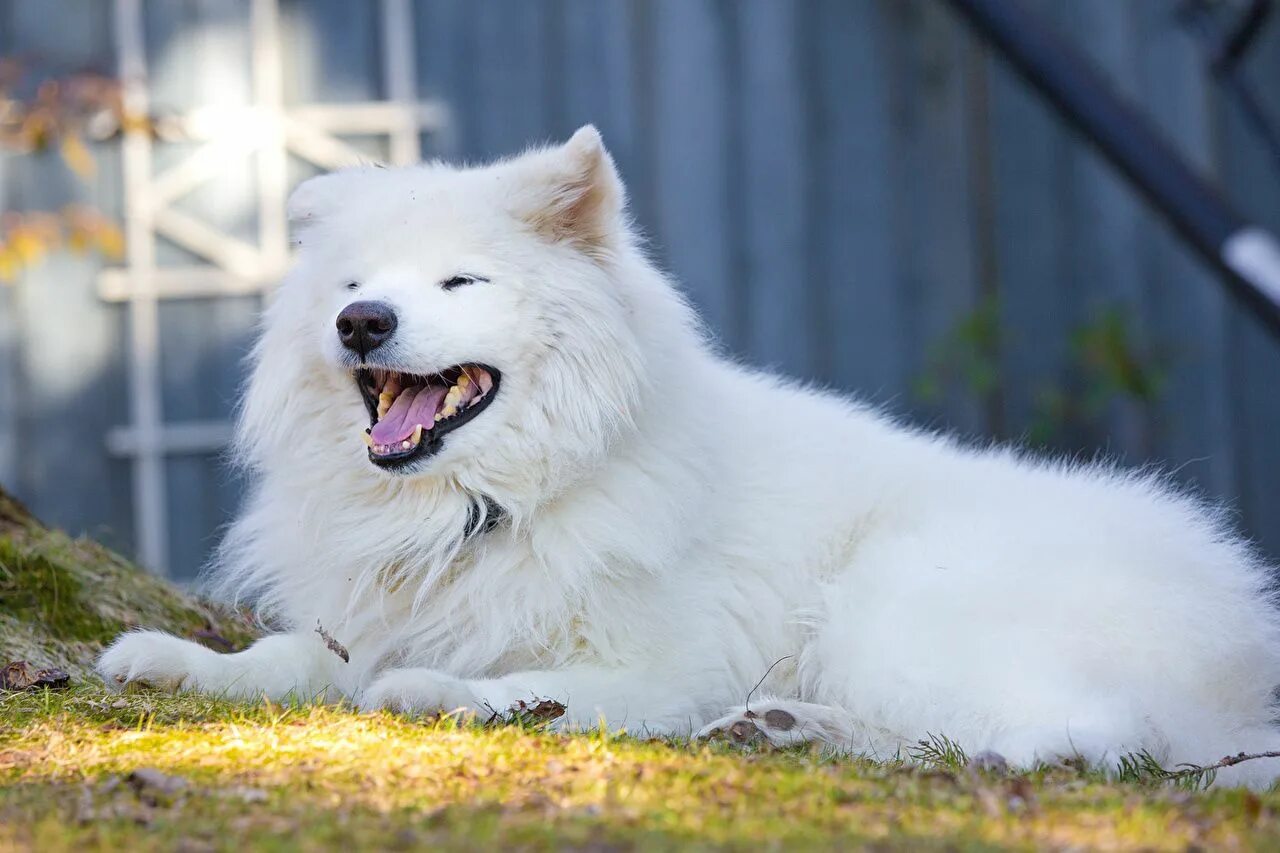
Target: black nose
{"type": "Point", "coordinates": [364, 326]}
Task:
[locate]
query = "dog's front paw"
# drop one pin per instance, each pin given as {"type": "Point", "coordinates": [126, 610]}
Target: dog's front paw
{"type": "Point", "coordinates": [152, 659]}
{"type": "Point", "coordinates": [420, 691]}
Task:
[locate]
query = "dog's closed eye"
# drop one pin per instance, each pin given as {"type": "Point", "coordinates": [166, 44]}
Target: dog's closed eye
{"type": "Point", "coordinates": [461, 279]}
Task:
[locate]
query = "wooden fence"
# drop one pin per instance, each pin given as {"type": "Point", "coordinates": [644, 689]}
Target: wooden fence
{"type": "Point", "coordinates": [853, 191]}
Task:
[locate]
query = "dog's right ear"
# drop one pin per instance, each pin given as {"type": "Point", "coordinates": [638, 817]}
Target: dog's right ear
{"type": "Point", "coordinates": [312, 198]}
{"type": "Point", "coordinates": [315, 198]}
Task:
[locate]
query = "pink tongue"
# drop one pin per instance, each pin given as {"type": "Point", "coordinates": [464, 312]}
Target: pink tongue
{"type": "Point", "coordinates": [414, 406]}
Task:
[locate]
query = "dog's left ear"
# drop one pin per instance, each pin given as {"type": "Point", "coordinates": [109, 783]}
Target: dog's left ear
{"type": "Point", "coordinates": [573, 193]}
{"type": "Point", "coordinates": [315, 198]}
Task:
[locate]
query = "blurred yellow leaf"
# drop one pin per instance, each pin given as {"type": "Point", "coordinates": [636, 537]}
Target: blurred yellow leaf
{"type": "Point", "coordinates": [10, 264]}
{"type": "Point", "coordinates": [34, 132]}
{"type": "Point", "coordinates": [78, 241]}
{"type": "Point", "coordinates": [28, 238]}
{"type": "Point", "coordinates": [27, 245]}
{"type": "Point", "coordinates": [110, 241]}
{"type": "Point", "coordinates": [78, 157]}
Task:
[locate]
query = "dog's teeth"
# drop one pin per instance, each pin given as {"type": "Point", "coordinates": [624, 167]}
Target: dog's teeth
{"type": "Point", "coordinates": [448, 411]}
{"type": "Point", "coordinates": [451, 401]}
{"type": "Point", "coordinates": [417, 434]}
{"type": "Point", "coordinates": [385, 399]}
{"type": "Point", "coordinates": [439, 416]}
{"type": "Point", "coordinates": [405, 445]}
{"type": "Point", "coordinates": [463, 381]}
{"type": "Point", "coordinates": [368, 439]}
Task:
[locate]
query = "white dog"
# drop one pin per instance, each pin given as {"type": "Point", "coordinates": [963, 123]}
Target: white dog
{"type": "Point", "coordinates": [496, 458]}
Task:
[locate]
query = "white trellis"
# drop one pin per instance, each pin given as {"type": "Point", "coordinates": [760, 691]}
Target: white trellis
{"type": "Point", "coordinates": [270, 130]}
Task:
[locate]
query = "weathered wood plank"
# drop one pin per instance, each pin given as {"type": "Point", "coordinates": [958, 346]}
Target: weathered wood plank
{"type": "Point", "coordinates": [1105, 221]}
{"type": "Point", "coordinates": [511, 64]}
{"type": "Point", "coordinates": [445, 40]}
{"type": "Point", "coordinates": [777, 276]}
{"type": "Point", "coordinates": [693, 149]}
{"type": "Point", "coordinates": [1029, 154]}
{"type": "Point", "coordinates": [594, 80]}
{"type": "Point", "coordinates": [1186, 305]}
{"type": "Point", "coordinates": [331, 51]}
{"type": "Point", "coordinates": [68, 373]}
{"type": "Point", "coordinates": [200, 55]}
{"type": "Point", "coordinates": [1253, 353]}
{"type": "Point", "coordinates": [932, 214]}
{"type": "Point", "coordinates": [10, 395]}
{"type": "Point", "coordinates": [816, 174]}
{"type": "Point", "coordinates": [851, 163]}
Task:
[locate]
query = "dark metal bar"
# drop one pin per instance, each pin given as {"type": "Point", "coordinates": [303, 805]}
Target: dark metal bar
{"type": "Point", "coordinates": [1247, 256]}
{"type": "Point", "coordinates": [1226, 54]}
{"type": "Point", "coordinates": [1242, 34]}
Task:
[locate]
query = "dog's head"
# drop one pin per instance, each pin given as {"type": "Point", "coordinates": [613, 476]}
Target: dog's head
{"type": "Point", "coordinates": [451, 321]}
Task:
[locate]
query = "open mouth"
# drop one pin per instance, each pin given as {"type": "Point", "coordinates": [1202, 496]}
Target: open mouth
{"type": "Point", "coordinates": [410, 414]}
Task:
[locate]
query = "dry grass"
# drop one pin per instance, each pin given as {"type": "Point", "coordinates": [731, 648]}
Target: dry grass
{"type": "Point", "coordinates": [307, 777]}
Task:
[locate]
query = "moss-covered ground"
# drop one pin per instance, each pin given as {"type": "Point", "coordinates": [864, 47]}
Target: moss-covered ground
{"type": "Point", "coordinates": [62, 598]}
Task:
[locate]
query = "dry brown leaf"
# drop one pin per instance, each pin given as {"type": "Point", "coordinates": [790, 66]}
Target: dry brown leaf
{"type": "Point", "coordinates": [331, 644]}
{"type": "Point", "coordinates": [536, 712]}
{"type": "Point", "coordinates": [23, 675]}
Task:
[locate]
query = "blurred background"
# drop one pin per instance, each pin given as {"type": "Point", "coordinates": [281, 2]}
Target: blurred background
{"type": "Point", "coordinates": [856, 192]}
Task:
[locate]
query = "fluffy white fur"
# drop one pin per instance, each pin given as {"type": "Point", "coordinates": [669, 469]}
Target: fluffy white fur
{"type": "Point", "coordinates": [675, 523]}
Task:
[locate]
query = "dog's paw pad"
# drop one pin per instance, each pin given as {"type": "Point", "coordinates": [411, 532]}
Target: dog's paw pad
{"type": "Point", "coordinates": [751, 728]}
{"type": "Point", "coordinates": [745, 732]}
{"type": "Point", "coordinates": [776, 718]}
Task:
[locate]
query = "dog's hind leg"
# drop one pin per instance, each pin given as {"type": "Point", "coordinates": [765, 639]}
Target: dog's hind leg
{"type": "Point", "coordinates": [786, 722]}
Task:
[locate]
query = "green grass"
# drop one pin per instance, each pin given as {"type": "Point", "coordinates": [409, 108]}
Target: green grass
{"type": "Point", "coordinates": [309, 777]}
{"type": "Point", "coordinates": [305, 777]}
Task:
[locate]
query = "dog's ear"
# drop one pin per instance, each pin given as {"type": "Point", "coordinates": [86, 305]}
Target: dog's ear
{"type": "Point", "coordinates": [315, 198]}
{"type": "Point", "coordinates": [311, 197]}
{"type": "Point", "coordinates": [573, 193]}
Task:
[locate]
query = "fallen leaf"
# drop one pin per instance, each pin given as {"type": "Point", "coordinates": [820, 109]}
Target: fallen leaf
{"type": "Point", "coordinates": [534, 713]}
{"type": "Point", "coordinates": [544, 709]}
{"type": "Point", "coordinates": [331, 644]}
{"type": "Point", "coordinates": [22, 675]}
{"type": "Point", "coordinates": [78, 157]}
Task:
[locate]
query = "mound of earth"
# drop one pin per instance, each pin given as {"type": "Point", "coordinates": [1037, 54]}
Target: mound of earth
{"type": "Point", "coordinates": [63, 599]}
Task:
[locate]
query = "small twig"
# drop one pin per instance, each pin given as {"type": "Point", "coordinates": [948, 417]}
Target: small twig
{"type": "Point", "coordinates": [1228, 761]}
{"type": "Point", "coordinates": [332, 644]}
{"type": "Point", "coordinates": [747, 703]}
